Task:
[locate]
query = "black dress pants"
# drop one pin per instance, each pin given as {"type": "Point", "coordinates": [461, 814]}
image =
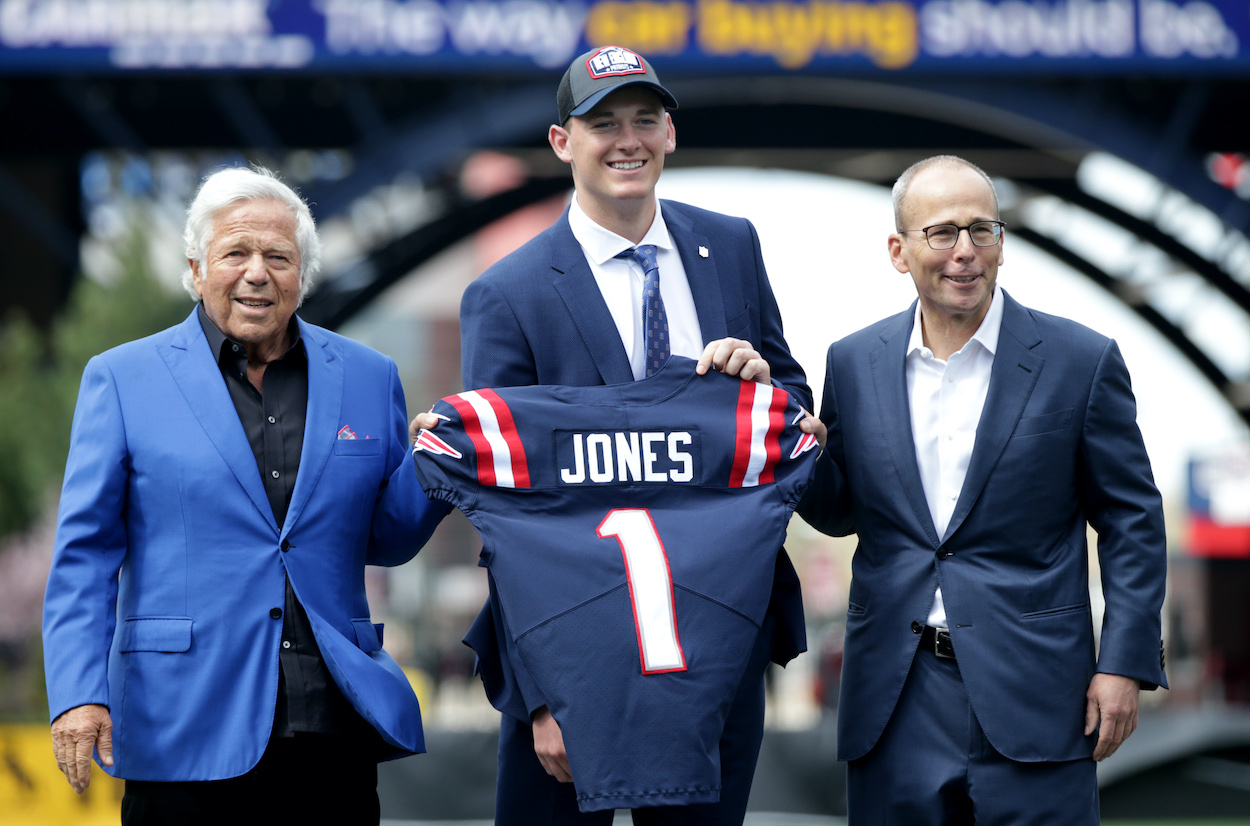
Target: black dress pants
{"type": "Point", "coordinates": [308, 778]}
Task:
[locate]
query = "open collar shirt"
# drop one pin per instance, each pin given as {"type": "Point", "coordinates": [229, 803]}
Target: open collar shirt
{"type": "Point", "coordinates": [308, 699]}
{"type": "Point", "coordinates": [947, 398]}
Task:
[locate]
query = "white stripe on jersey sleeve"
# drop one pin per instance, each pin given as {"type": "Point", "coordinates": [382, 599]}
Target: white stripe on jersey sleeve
{"type": "Point", "coordinates": [499, 449]}
{"type": "Point", "coordinates": [760, 406]}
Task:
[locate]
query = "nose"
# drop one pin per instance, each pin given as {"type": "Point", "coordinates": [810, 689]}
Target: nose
{"type": "Point", "coordinates": [964, 247]}
{"type": "Point", "coordinates": [256, 271]}
{"type": "Point", "coordinates": [627, 138]}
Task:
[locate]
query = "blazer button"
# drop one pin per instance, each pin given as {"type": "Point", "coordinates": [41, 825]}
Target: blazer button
{"type": "Point", "coordinates": [276, 613]}
{"type": "Point", "coordinates": [916, 627]}
{"type": "Point", "coordinates": [943, 553]}
{"type": "Point", "coordinates": [286, 545]}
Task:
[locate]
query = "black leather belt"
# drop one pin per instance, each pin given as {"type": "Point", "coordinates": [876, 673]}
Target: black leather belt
{"type": "Point", "coordinates": [937, 640]}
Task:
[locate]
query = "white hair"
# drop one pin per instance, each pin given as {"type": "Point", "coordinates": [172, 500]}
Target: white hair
{"type": "Point", "coordinates": [904, 181]}
{"type": "Point", "coordinates": [233, 185]}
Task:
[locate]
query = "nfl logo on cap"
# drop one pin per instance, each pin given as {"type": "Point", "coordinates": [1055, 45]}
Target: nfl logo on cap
{"type": "Point", "coordinates": [613, 60]}
{"type": "Point", "coordinates": [600, 72]}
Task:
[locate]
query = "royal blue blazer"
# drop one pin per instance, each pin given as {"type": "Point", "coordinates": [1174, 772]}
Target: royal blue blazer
{"type": "Point", "coordinates": [1057, 447]}
{"type": "Point", "coordinates": [538, 317]}
{"type": "Point", "coordinates": [165, 594]}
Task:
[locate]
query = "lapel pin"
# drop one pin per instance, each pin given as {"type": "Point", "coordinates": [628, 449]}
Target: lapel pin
{"type": "Point", "coordinates": [703, 252]}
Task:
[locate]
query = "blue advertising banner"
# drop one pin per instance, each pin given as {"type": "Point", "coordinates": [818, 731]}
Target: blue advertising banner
{"type": "Point", "coordinates": [1162, 37]}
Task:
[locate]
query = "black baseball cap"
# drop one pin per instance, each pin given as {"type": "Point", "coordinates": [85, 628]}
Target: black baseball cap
{"type": "Point", "coordinates": [600, 72]}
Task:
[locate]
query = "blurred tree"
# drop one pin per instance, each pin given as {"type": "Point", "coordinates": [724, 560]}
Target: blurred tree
{"type": "Point", "coordinates": [29, 408]}
{"type": "Point", "coordinates": [40, 374]}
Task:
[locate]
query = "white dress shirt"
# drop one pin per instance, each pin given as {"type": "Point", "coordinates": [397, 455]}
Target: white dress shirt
{"type": "Point", "coordinates": [947, 398]}
{"type": "Point", "coordinates": [621, 281]}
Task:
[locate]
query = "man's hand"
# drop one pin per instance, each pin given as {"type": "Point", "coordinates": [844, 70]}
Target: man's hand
{"type": "Point", "coordinates": [423, 421]}
{"type": "Point", "coordinates": [76, 734]}
{"type": "Point", "coordinates": [1111, 707]}
{"type": "Point", "coordinates": [813, 424]}
{"type": "Point", "coordinates": [549, 746]}
{"type": "Point", "coordinates": [735, 357]}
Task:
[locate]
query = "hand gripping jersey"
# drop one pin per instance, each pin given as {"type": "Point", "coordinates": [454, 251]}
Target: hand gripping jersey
{"type": "Point", "coordinates": [631, 531]}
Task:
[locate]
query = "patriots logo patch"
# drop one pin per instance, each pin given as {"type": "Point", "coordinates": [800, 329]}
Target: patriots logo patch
{"type": "Point", "coordinates": [806, 443]}
{"type": "Point", "coordinates": [613, 60]}
{"type": "Point", "coordinates": [427, 441]}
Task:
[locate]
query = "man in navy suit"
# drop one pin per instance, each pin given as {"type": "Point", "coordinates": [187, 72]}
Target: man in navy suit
{"type": "Point", "coordinates": [970, 442]}
{"type": "Point", "coordinates": [565, 309]}
{"type": "Point", "coordinates": [206, 631]}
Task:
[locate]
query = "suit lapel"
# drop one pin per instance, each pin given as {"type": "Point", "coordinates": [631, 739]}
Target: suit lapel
{"type": "Point", "coordinates": [888, 364]}
{"type": "Point", "coordinates": [701, 274]}
{"type": "Point", "coordinates": [1015, 372]}
{"type": "Point", "coordinates": [325, 403]}
{"type": "Point", "coordinates": [576, 286]}
{"type": "Point", "coordinates": [195, 372]}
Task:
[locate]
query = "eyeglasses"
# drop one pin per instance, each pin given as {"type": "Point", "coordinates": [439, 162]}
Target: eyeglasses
{"type": "Point", "coordinates": [946, 236]}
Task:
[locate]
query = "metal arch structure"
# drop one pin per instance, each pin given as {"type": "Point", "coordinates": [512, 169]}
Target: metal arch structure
{"type": "Point", "coordinates": [1035, 132]}
{"type": "Point", "coordinates": [430, 145]}
{"type": "Point", "coordinates": [336, 299]}
{"type": "Point", "coordinates": [1025, 143]}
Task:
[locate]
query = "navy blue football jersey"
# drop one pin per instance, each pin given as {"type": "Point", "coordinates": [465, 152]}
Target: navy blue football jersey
{"type": "Point", "coordinates": [631, 532]}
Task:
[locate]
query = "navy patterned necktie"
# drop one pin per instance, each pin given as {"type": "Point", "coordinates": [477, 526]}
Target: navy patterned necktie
{"type": "Point", "coordinates": [654, 320]}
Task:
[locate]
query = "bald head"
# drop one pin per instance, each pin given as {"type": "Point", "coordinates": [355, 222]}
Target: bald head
{"type": "Point", "coordinates": [903, 185]}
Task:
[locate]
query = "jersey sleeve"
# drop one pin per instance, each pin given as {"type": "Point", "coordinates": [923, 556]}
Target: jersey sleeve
{"type": "Point", "coordinates": [768, 446]}
{"type": "Point", "coordinates": [798, 454]}
{"type": "Point", "coordinates": [446, 459]}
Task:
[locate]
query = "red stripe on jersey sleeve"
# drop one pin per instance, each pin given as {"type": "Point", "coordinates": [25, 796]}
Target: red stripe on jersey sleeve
{"type": "Point", "coordinates": [473, 427]}
{"type": "Point", "coordinates": [742, 435]}
{"type": "Point", "coordinates": [507, 427]}
{"type": "Point", "coordinates": [772, 440]}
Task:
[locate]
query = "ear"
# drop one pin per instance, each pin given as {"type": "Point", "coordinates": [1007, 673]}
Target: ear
{"type": "Point", "coordinates": [670, 142]}
{"type": "Point", "coordinates": [897, 246]}
{"type": "Point", "coordinates": [197, 278]}
{"type": "Point", "coordinates": [1002, 239]}
{"type": "Point", "coordinates": [558, 137]}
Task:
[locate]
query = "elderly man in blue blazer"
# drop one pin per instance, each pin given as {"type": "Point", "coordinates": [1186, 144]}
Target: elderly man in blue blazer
{"type": "Point", "coordinates": [206, 631]}
{"type": "Point", "coordinates": [970, 442]}
{"type": "Point", "coordinates": [604, 296]}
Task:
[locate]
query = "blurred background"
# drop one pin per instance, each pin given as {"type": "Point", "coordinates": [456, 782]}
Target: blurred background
{"type": "Point", "coordinates": [1116, 131]}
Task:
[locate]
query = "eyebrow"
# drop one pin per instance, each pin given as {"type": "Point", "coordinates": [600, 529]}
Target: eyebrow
{"type": "Point", "coordinates": [229, 243]}
{"type": "Point", "coordinates": [951, 222]}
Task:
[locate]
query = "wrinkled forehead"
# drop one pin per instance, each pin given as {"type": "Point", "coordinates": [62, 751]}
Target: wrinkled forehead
{"type": "Point", "coordinates": [266, 216]}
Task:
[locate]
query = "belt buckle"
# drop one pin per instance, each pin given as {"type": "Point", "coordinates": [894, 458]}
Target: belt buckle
{"type": "Point", "coordinates": [942, 646]}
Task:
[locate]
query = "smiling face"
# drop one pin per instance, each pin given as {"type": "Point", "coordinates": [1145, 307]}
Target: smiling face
{"type": "Point", "coordinates": [616, 151]}
{"type": "Point", "coordinates": [249, 279]}
{"type": "Point", "coordinates": [955, 285]}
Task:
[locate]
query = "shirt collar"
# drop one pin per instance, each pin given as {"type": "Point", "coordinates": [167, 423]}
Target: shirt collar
{"type": "Point", "coordinates": [986, 335]}
{"type": "Point", "coordinates": [219, 344]}
{"type": "Point", "coordinates": [602, 245]}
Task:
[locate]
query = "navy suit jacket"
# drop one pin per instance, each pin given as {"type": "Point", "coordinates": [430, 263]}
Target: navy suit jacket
{"type": "Point", "coordinates": [169, 574]}
{"type": "Point", "coordinates": [1057, 446]}
{"type": "Point", "coordinates": [538, 317]}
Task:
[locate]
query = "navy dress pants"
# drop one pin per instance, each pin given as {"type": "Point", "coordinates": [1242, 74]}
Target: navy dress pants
{"type": "Point", "coordinates": [526, 795]}
{"type": "Point", "coordinates": [934, 766]}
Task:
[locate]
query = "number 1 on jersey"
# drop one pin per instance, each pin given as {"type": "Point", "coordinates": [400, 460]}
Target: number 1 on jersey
{"type": "Point", "coordinates": [650, 588]}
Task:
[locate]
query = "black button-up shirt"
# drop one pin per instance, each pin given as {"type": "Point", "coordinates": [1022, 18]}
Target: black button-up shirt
{"type": "Point", "coordinates": [308, 699]}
